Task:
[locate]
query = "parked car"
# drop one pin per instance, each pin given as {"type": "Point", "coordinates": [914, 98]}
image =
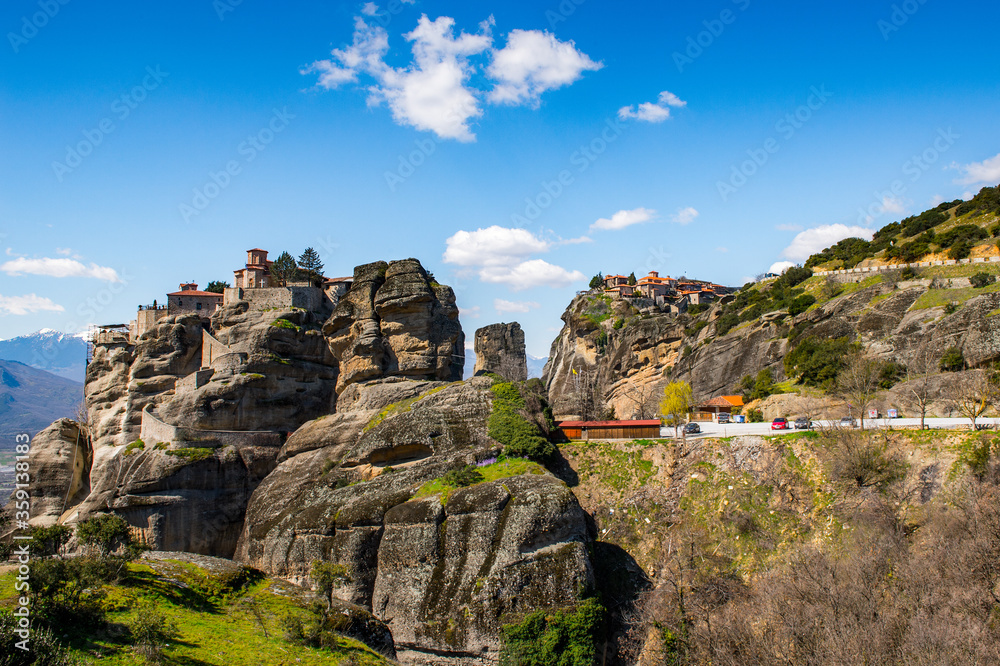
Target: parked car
{"type": "Point", "coordinates": [848, 422]}
{"type": "Point", "coordinates": [723, 417]}
{"type": "Point", "coordinates": [691, 428]}
{"type": "Point", "coordinates": [803, 423]}
{"type": "Point", "coordinates": [780, 423]}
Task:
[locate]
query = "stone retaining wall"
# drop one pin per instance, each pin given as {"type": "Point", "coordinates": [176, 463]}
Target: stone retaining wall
{"type": "Point", "coordinates": [155, 430]}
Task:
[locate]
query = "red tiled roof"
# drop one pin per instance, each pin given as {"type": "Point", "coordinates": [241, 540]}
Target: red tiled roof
{"type": "Point", "coordinates": [340, 279]}
{"type": "Point", "coordinates": [734, 400]}
{"type": "Point", "coordinates": [256, 249]}
{"type": "Point", "coordinates": [605, 424]}
{"type": "Point", "coordinates": [191, 292]}
{"type": "Point", "coordinates": [724, 401]}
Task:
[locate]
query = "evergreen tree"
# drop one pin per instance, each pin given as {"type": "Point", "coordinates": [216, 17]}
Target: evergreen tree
{"type": "Point", "coordinates": [310, 266]}
{"type": "Point", "coordinates": [283, 270]}
{"type": "Point", "coordinates": [631, 279]}
{"type": "Point", "coordinates": [597, 281]}
{"type": "Point", "coordinates": [217, 286]}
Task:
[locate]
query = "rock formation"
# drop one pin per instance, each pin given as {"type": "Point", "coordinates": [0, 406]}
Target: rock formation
{"type": "Point", "coordinates": [59, 461]}
{"type": "Point", "coordinates": [625, 367]}
{"type": "Point", "coordinates": [500, 350]}
{"type": "Point", "coordinates": [441, 573]}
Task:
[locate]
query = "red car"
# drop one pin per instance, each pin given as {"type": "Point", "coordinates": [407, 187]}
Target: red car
{"type": "Point", "coordinates": [779, 424]}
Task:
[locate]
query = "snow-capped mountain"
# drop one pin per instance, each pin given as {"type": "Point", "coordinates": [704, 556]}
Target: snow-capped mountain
{"type": "Point", "coordinates": [61, 354]}
{"type": "Point", "coordinates": [535, 364]}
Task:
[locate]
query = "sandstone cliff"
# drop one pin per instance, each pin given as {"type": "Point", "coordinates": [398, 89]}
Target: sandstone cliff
{"type": "Point", "coordinates": [442, 573]}
{"type": "Point", "coordinates": [500, 349]}
{"type": "Point", "coordinates": [613, 353]}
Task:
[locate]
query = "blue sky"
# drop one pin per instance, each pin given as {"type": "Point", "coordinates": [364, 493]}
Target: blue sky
{"type": "Point", "coordinates": [516, 149]}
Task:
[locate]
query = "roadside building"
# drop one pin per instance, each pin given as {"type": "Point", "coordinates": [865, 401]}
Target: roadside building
{"type": "Point", "coordinates": [588, 430]}
{"type": "Point", "coordinates": [709, 410]}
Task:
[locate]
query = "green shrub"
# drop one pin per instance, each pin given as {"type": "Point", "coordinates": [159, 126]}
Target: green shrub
{"type": "Point", "coordinates": [619, 323]}
{"type": "Point", "coordinates": [816, 361]}
{"type": "Point", "coordinates": [192, 454]}
{"type": "Point", "coordinates": [726, 323]}
{"type": "Point", "coordinates": [755, 415]}
{"type": "Point", "coordinates": [980, 280]}
{"type": "Point", "coordinates": [952, 360]}
{"type": "Point", "coordinates": [284, 323]}
{"type": "Point", "coordinates": [106, 532]}
{"type": "Point", "coordinates": [890, 374]}
{"type": "Point", "coordinates": [44, 648]}
{"type": "Point", "coordinates": [151, 630]}
{"type": "Point", "coordinates": [508, 425]}
{"type": "Point", "coordinates": [137, 445]}
{"type": "Point", "coordinates": [560, 638]}
{"type": "Point", "coordinates": [696, 309]}
{"type": "Point", "coordinates": [801, 304]}
{"type": "Point", "coordinates": [48, 541]}
{"type": "Point", "coordinates": [462, 478]}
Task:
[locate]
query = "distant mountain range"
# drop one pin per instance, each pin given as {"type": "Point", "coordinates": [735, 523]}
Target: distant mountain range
{"type": "Point", "coordinates": [59, 353]}
{"type": "Point", "coordinates": [31, 399]}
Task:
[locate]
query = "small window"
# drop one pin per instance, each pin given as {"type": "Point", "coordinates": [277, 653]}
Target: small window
{"type": "Point", "coordinates": [197, 306]}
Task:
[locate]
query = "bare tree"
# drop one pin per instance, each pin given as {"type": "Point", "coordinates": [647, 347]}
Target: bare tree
{"type": "Point", "coordinates": [589, 393]}
{"type": "Point", "coordinates": [918, 383]}
{"type": "Point", "coordinates": [973, 394]}
{"type": "Point", "coordinates": [642, 397]}
{"type": "Point", "coordinates": [858, 382]}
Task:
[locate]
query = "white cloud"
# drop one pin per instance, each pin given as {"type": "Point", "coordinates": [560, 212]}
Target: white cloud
{"type": "Point", "coordinates": [722, 249]}
{"type": "Point", "coordinates": [778, 267]}
{"type": "Point", "coordinates": [59, 268]}
{"type": "Point", "coordinates": [469, 312]}
{"type": "Point", "coordinates": [22, 305]}
{"type": "Point", "coordinates": [503, 306]}
{"type": "Point", "coordinates": [433, 93]}
{"type": "Point", "coordinates": [936, 200]}
{"type": "Point", "coordinates": [893, 205]}
{"type": "Point", "coordinates": [651, 112]}
{"type": "Point", "coordinates": [788, 227]}
{"type": "Point", "coordinates": [811, 241]}
{"type": "Point", "coordinates": [430, 94]}
{"type": "Point", "coordinates": [685, 215]}
{"type": "Point", "coordinates": [528, 274]}
{"type": "Point", "coordinates": [576, 241]}
{"type": "Point", "coordinates": [64, 251]}
{"type": "Point", "coordinates": [987, 171]}
{"type": "Point", "coordinates": [493, 246]}
{"type": "Point", "coordinates": [624, 218]}
{"type": "Point", "coordinates": [533, 62]}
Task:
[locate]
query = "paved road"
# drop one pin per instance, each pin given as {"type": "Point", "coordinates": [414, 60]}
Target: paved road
{"type": "Point", "coordinates": [730, 429]}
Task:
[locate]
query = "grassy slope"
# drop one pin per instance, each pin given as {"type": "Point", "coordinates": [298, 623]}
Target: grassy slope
{"type": "Point", "coordinates": [212, 631]}
{"type": "Point", "coordinates": [752, 502]}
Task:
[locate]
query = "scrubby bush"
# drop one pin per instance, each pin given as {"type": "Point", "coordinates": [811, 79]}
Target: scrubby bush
{"type": "Point", "coordinates": [48, 541]}
{"type": "Point", "coordinates": [507, 424]}
{"type": "Point", "coordinates": [801, 304]}
{"type": "Point", "coordinates": [952, 360]}
{"type": "Point", "coordinates": [726, 323]}
{"type": "Point", "coordinates": [816, 361]}
{"type": "Point", "coordinates": [105, 532]}
{"type": "Point", "coordinates": [462, 478]}
{"type": "Point", "coordinates": [980, 280]}
{"type": "Point", "coordinates": [44, 648]}
{"type": "Point", "coordinates": [150, 630]}
{"type": "Point", "coordinates": [560, 638]}
{"type": "Point", "coordinates": [755, 415]}
{"type": "Point", "coordinates": [890, 374]}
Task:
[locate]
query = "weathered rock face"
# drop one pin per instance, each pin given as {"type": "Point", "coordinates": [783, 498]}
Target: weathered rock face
{"type": "Point", "coordinates": [190, 498]}
{"type": "Point", "coordinates": [440, 575]}
{"type": "Point", "coordinates": [396, 322]}
{"type": "Point", "coordinates": [500, 349]}
{"type": "Point", "coordinates": [627, 367]}
{"type": "Point", "coordinates": [59, 462]}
